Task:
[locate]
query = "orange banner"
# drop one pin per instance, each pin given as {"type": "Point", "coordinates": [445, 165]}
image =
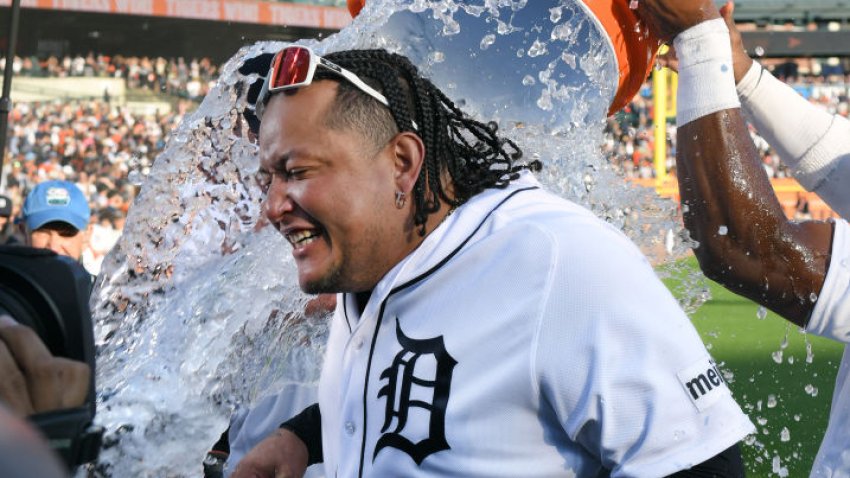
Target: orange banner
{"type": "Point", "coordinates": [240, 11]}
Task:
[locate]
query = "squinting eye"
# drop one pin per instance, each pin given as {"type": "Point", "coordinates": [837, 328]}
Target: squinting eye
{"type": "Point", "coordinates": [295, 173]}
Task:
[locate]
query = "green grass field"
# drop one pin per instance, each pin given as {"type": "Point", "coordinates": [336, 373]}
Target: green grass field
{"type": "Point", "coordinates": [794, 394]}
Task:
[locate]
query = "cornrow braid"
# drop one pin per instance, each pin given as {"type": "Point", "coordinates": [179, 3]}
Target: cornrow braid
{"type": "Point", "coordinates": [472, 153]}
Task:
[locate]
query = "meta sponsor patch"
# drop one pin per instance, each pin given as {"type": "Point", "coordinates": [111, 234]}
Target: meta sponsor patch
{"type": "Point", "coordinates": [58, 197]}
{"type": "Point", "coordinates": [703, 383]}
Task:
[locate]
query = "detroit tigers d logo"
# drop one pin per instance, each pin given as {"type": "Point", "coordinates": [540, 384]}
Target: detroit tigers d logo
{"type": "Point", "coordinates": [423, 368]}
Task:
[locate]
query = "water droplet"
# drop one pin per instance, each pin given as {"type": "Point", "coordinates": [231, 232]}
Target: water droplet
{"type": "Point", "coordinates": [759, 51]}
{"type": "Point", "coordinates": [569, 59]}
{"type": "Point", "coordinates": [437, 57]}
{"type": "Point", "coordinates": [487, 41]}
{"type": "Point", "coordinates": [555, 14]}
{"type": "Point", "coordinates": [813, 297]}
{"type": "Point", "coordinates": [637, 27]}
{"type": "Point", "coordinates": [451, 27]}
{"type": "Point", "coordinates": [504, 28]}
{"type": "Point", "coordinates": [528, 80]}
{"type": "Point", "coordinates": [811, 390]}
{"type": "Point", "coordinates": [761, 313]}
{"type": "Point", "coordinates": [562, 32]}
{"type": "Point", "coordinates": [537, 48]}
{"type": "Point", "coordinates": [785, 434]}
{"type": "Point", "coordinates": [810, 356]}
{"type": "Point", "coordinates": [545, 101]}
{"type": "Point", "coordinates": [722, 230]}
{"type": "Point", "coordinates": [771, 401]}
{"type": "Point", "coordinates": [797, 418]}
{"type": "Point", "coordinates": [761, 421]}
{"type": "Point", "coordinates": [777, 356]}
{"type": "Point", "coordinates": [633, 5]}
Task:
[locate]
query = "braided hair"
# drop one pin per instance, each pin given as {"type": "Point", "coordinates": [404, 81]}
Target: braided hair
{"type": "Point", "coordinates": [470, 152]}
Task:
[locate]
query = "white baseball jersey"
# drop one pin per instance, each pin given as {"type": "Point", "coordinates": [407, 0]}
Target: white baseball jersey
{"type": "Point", "coordinates": [831, 318]}
{"type": "Point", "coordinates": [816, 145]}
{"type": "Point", "coordinates": [250, 426]}
{"type": "Point", "coordinates": [524, 337]}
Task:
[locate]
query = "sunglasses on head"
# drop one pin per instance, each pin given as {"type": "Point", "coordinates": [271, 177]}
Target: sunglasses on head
{"type": "Point", "coordinates": [294, 67]}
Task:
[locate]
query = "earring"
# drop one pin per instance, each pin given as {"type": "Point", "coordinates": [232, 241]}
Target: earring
{"type": "Point", "coordinates": [400, 199]}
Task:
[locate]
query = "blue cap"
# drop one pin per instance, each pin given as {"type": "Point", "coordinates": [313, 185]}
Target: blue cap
{"type": "Point", "coordinates": [56, 201]}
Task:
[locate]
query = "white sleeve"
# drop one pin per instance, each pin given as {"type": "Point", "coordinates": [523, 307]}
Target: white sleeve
{"type": "Point", "coordinates": [831, 315]}
{"type": "Point", "coordinates": [638, 391]}
{"type": "Point", "coordinates": [812, 142]}
{"type": "Point", "coordinates": [250, 427]}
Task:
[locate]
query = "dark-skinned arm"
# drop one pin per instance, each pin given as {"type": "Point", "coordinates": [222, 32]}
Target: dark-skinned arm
{"type": "Point", "coordinates": [745, 241]}
{"type": "Point", "coordinates": [763, 256]}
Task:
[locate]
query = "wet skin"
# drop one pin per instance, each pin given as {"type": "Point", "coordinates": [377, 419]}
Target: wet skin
{"type": "Point", "coordinates": [331, 192]}
{"type": "Point", "coordinates": [763, 256]}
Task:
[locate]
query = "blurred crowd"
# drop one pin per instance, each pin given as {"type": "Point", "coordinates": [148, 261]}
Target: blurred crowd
{"type": "Point", "coordinates": [101, 148]}
{"type": "Point", "coordinates": [630, 138]}
{"type": "Point", "coordinates": [190, 79]}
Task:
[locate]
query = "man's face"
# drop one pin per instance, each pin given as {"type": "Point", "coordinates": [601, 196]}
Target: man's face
{"type": "Point", "coordinates": [61, 238]}
{"type": "Point", "coordinates": [331, 193]}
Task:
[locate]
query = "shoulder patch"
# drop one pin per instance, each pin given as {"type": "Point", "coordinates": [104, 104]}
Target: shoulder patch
{"type": "Point", "coordinates": [703, 383]}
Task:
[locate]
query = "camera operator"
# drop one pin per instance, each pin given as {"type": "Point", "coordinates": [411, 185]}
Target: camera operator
{"type": "Point", "coordinates": [46, 349]}
{"type": "Point", "coordinates": [33, 381]}
{"type": "Point", "coordinates": [56, 217]}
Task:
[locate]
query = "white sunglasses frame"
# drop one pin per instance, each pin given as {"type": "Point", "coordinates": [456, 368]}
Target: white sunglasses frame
{"type": "Point", "coordinates": [315, 61]}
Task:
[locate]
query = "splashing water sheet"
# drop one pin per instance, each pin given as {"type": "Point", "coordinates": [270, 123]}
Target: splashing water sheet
{"type": "Point", "coordinates": [197, 309]}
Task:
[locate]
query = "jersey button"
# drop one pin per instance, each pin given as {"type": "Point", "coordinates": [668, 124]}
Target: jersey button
{"type": "Point", "coordinates": [359, 344]}
{"type": "Point", "coordinates": [350, 428]}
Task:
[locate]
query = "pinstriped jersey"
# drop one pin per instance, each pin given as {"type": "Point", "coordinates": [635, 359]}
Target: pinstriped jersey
{"type": "Point", "coordinates": [524, 337]}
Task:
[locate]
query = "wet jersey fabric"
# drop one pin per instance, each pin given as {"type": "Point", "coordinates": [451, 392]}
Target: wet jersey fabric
{"type": "Point", "coordinates": [524, 337]}
{"type": "Point", "coordinates": [248, 427]}
{"type": "Point", "coordinates": [831, 319]}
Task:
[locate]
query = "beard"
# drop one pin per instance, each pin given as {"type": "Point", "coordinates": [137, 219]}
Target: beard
{"type": "Point", "coordinates": [329, 283]}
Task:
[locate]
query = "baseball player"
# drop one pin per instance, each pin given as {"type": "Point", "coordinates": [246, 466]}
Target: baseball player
{"type": "Point", "coordinates": [799, 270]}
{"type": "Point", "coordinates": [484, 326]}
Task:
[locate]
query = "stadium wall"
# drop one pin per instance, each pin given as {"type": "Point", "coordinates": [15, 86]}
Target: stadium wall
{"type": "Point", "coordinates": [167, 28]}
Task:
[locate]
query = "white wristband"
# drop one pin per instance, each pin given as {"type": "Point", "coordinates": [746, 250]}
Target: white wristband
{"type": "Point", "coordinates": [706, 76]}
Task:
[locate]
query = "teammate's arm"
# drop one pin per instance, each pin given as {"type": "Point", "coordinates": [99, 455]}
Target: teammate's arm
{"type": "Point", "coordinates": [729, 207]}
{"type": "Point", "coordinates": [288, 451]}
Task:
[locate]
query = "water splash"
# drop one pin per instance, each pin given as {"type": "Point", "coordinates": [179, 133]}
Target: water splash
{"type": "Point", "coordinates": [197, 311]}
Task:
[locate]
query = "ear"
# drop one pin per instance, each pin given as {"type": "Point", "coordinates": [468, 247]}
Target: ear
{"type": "Point", "coordinates": [409, 157]}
